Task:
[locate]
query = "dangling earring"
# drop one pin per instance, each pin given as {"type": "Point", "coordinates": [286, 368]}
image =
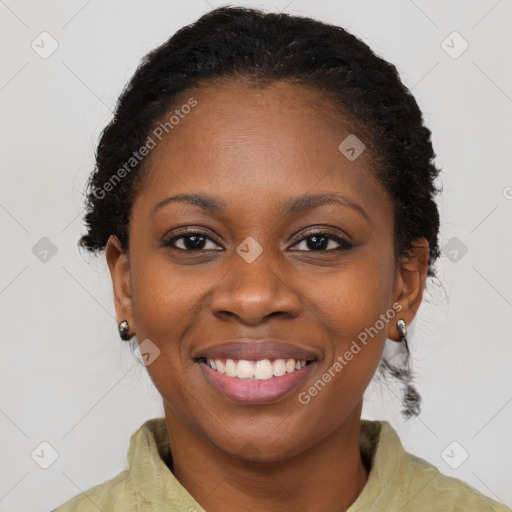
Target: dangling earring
{"type": "Point", "coordinates": [124, 330]}
{"type": "Point", "coordinates": [410, 397]}
{"type": "Point", "coordinates": [402, 329]}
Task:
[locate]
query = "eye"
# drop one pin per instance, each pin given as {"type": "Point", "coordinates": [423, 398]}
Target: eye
{"type": "Point", "coordinates": [314, 241]}
{"type": "Point", "coordinates": [322, 241]}
{"type": "Point", "coordinates": [191, 241]}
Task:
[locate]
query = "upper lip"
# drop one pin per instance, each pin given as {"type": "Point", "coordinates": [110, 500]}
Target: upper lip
{"type": "Point", "coordinates": [252, 349]}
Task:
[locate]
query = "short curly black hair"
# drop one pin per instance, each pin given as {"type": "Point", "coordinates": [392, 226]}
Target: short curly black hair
{"type": "Point", "coordinates": [234, 43]}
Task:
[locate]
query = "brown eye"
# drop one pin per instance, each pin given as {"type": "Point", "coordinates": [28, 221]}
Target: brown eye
{"type": "Point", "coordinates": [322, 241]}
{"type": "Point", "coordinates": [191, 241]}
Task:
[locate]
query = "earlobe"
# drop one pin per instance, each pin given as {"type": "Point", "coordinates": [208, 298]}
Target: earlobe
{"type": "Point", "coordinates": [410, 284]}
{"type": "Point", "coordinates": [119, 265]}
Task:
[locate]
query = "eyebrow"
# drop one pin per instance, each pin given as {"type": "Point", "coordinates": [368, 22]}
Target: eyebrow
{"type": "Point", "coordinates": [295, 204]}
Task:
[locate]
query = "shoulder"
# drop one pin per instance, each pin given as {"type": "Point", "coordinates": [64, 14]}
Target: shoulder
{"type": "Point", "coordinates": [145, 485]}
{"type": "Point", "coordinates": [402, 481]}
{"type": "Point", "coordinates": [114, 494]}
{"type": "Point", "coordinates": [445, 493]}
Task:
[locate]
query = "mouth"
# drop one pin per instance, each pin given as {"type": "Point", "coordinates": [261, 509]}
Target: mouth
{"type": "Point", "coordinates": [251, 371]}
{"type": "Point", "coordinates": [260, 369]}
{"type": "Point", "coordinates": [261, 381]}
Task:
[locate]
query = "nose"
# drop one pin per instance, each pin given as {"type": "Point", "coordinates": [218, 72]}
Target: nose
{"type": "Point", "coordinates": [251, 292]}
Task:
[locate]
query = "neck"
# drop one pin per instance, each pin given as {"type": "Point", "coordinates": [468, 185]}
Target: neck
{"type": "Point", "coordinates": [328, 476]}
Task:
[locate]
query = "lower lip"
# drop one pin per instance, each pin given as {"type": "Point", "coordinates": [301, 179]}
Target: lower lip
{"type": "Point", "coordinates": [256, 391]}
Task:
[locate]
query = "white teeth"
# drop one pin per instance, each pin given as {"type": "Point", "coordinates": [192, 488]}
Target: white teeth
{"type": "Point", "coordinates": [262, 369]}
{"type": "Point", "coordinates": [219, 365]}
{"type": "Point", "coordinates": [230, 368]}
{"type": "Point", "coordinates": [244, 369]}
{"type": "Point", "coordinates": [290, 365]}
{"type": "Point", "coordinates": [279, 367]}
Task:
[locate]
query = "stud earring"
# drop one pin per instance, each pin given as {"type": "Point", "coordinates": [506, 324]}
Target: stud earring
{"type": "Point", "coordinates": [124, 330]}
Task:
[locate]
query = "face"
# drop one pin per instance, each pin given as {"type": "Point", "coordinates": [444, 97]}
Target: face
{"type": "Point", "coordinates": [263, 256]}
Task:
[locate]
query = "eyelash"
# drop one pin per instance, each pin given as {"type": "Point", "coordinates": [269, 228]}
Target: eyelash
{"type": "Point", "coordinates": [344, 244]}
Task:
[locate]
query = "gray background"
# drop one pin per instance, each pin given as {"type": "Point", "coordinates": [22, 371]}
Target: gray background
{"type": "Point", "coordinates": [65, 377]}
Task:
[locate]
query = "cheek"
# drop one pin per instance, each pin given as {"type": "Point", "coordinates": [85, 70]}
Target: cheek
{"type": "Point", "coordinates": [355, 307]}
{"type": "Point", "coordinates": [165, 297]}
{"type": "Point", "coordinates": [352, 298]}
{"type": "Point", "coordinates": [165, 305]}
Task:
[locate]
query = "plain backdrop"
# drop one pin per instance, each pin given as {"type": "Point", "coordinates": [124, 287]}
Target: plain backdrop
{"type": "Point", "coordinates": [67, 381]}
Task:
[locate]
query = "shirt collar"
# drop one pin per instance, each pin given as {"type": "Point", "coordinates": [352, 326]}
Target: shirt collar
{"type": "Point", "coordinates": [158, 489]}
{"type": "Point", "coordinates": [396, 476]}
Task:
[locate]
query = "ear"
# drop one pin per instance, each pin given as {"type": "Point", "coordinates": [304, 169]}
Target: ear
{"type": "Point", "coordinates": [119, 266]}
{"type": "Point", "coordinates": [409, 285]}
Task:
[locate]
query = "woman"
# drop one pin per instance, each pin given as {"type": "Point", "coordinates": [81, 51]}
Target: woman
{"type": "Point", "coordinates": [265, 199]}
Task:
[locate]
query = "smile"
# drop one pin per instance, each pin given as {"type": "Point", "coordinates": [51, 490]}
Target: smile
{"type": "Point", "coordinates": [261, 381]}
{"type": "Point", "coordinates": [262, 369]}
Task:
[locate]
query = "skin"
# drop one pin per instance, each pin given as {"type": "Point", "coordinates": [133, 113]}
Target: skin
{"type": "Point", "coordinates": [254, 149]}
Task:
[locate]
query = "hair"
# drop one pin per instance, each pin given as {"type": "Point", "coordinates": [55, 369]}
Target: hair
{"type": "Point", "coordinates": [234, 43]}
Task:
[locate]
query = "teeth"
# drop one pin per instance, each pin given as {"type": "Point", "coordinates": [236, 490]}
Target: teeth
{"type": "Point", "coordinates": [244, 369]}
{"type": "Point", "coordinates": [219, 365]}
{"type": "Point", "coordinates": [230, 368]}
{"type": "Point", "coordinates": [263, 369]}
{"type": "Point", "coordinates": [279, 367]}
{"type": "Point", "coordinates": [290, 365]}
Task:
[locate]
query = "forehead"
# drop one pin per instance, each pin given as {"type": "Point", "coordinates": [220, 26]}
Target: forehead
{"type": "Point", "coordinates": [264, 141]}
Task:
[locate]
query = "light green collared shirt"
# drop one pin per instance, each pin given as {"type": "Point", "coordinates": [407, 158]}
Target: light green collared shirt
{"type": "Point", "coordinates": [398, 480]}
